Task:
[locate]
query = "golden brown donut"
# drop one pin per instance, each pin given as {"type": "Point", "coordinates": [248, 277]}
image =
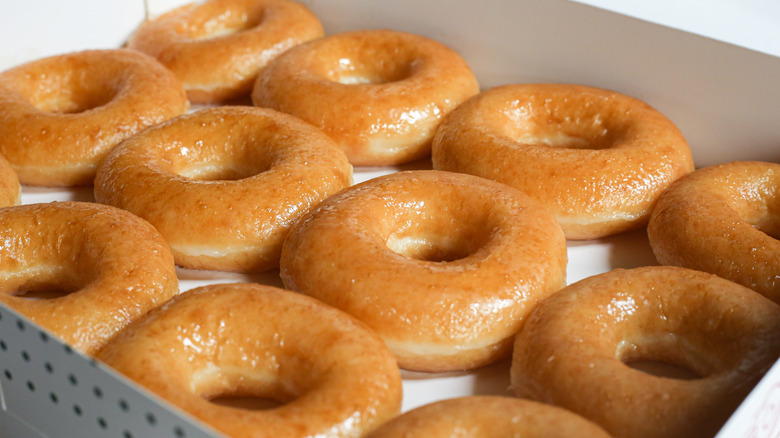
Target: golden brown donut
{"type": "Point", "coordinates": [725, 220]}
{"type": "Point", "coordinates": [333, 376]}
{"type": "Point", "coordinates": [59, 116]}
{"type": "Point", "coordinates": [445, 267]}
{"type": "Point", "coordinates": [488, 416]}
{"type": "Point", "coordinates": [111, 266]}
{"type": "Point", "coordinates": [574, 349]}
{"type": "Point", "coordinates": [217, 47]}
{"type": "Point", "coordinates": [597, 159]}
{"type": "Point", "coordinates": [10, 190]}
{"type": "Point", "coordinates": [224, 185]}
{"type": "Point", "coordinates": [379, 93]}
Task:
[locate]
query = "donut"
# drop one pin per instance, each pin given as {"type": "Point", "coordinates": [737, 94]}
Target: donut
{"type": "Point", "coordinates": [59, 116]}
{"type": "Point", "coordinates": [575, 349]}
{"type": "Point", "coordinates": [488, 416]}
{"type": "Point", "coordinates": [10, 190]}
{"type": "Point", "coordinates": [379, 93]}
{"type": "Point", "coordinates": [217, 47]}
{"type": "Point", "coordinates": [82, 270]}
{"type": "Point", "coordinates": [224, 185]}
{"type": "Point", "coordinates": [597, 159]}
{"type": "Point", "coordinates": [725, 220]}
{"type": "Point", "coordinates": [445, 267]}
{"type": "Point", "coordinates": [332, 376]}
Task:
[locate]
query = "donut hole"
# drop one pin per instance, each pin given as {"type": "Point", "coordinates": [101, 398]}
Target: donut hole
{"type": "Point", "coordinates": [363, 65]}
{"type": "Point", "coordinates": [432, 248]}
{"type": "Point", "coordinates": [44, 291]}
{"type": "Point", "coordinates": [222, 161]}
{"type": "Point", "coordinates": [244, 393]}
{"type": "Point", "coordinates": [566, 135]}
{"type": "Point", "coordinates": [351, 72]}
{"type": "Point", "coordinates": [209, 24]}
{"type": "Point", "coordinates": [238, 385]}
{"type": "Point", "coordinates": [758, 203]}
{"type": "Point", "coordinates": [43, 283]}
{"type": "Point", "coordinates": [72, 93]}
{"type": "Point", "coordinates": [220, 171]}
{"type": "Point", "coordinates": [571, 124]}
{"type": "Point", "coordinates": [558, 139]}
{"type": "Point", "coordinates": [439, 234]}
{"type": "Point", "coordinates": [768, 219]}
{"type": "Point", "coordinates": [662, 369]}
{"type": "Point", "coordinates": [253, 146]}
{"type": "Point", "coordinates": [63, 260]}
{"type": "Point", "coordinates": [663, 359]}
{"type": "Point", "coordinates": [770, 226]}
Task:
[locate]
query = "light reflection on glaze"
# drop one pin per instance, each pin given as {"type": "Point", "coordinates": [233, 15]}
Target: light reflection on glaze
{"type": "Point", "coordinates": [622, 309]}
{"type": "Point", "coordinates": [344, 428]}
{"type": "Point", "coordinates": [402, 120]}
{"type": "Point", "coordinates": [188, 343]}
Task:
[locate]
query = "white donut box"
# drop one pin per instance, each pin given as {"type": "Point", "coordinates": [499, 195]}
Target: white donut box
{"type": "Point", "coordinates": [723, 96]}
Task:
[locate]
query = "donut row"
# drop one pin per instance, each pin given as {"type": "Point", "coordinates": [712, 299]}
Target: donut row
{"type": "Point", "coordinates": [597, 159]}
{"type": "Point", "coordinates": [333, 370]}
{"type": "Point", "coordinates": [430, 270]}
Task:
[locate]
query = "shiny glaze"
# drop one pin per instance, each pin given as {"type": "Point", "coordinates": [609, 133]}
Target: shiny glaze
{"type": "Point", "coordinates": [10, 190]}
{"type": "Point", "coordinates": [217, 47]}
{"type": "Point", "coordinates": [114, 265]}
{"type": "Point", "coordinates": [572, 351]}
{"type": "Point", "coordinates": [488, 416]}
{"type": "Point", "coordinates": [224, 185]}
{"type": "Point", "coordinates": [445, 267]}
{"type": "Point", "coordinates": [60, 116]}
{"type": "Point", "coordinates": [380, 94]}
{"type": "Point", "coordinates": [595, 158]}
{"type": "Point", "coordinates": [334, 377]}
{"type": "Point", "coordinates": [723, 219]}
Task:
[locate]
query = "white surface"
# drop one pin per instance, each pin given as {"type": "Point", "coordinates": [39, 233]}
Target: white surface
{"type": "Point", "coordinates": [754, 24]}
{"type": "Point", "coordinates": [722, 97]}
{"type": "Point", "coordinates": [759, 414]}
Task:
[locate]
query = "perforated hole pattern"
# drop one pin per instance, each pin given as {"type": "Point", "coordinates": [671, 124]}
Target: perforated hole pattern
{"type": "Point", "coordinates": [60, 392]}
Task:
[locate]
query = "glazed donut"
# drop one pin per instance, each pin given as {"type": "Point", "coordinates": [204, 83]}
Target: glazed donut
{"type": "Point", "coordinates": [445, 267]}
{"type": "Point", "coordinates": [217, 47]}
{"type": "Point", "coordinates": [574, 349]}
{"type": "Point", "coordinates": [111, 266]}
{"type": "Point", "coordinates": [488, 416]}
{"type": "Point", "coordinates": [224, 185]}
{"type": "Point", "coordinates": [724, 220]}
{"type": "Point", "coordinates": [597, 159]}
{"type": "Point", "coordinates": [10, 190]}
{"type": "Point", "coordinates": [333, 376]}
{"type": "Point", "coordinates": [59, 116]}
{"type": "Point", "coordinates": [380, 94]}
